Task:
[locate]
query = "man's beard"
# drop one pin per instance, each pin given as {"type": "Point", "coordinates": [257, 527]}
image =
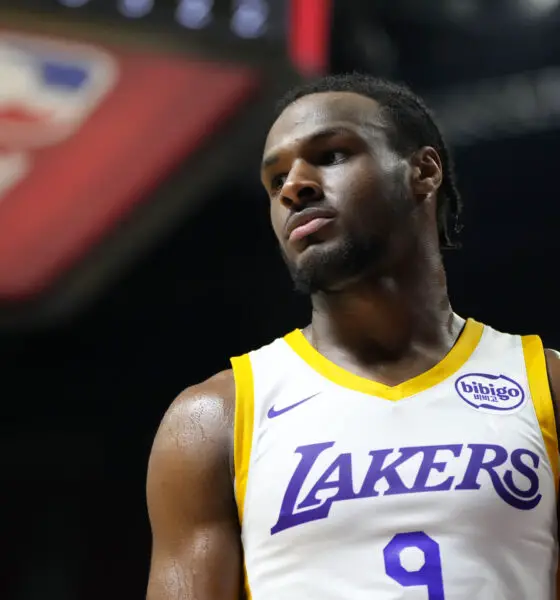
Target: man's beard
{"type": "Point", "coordinates": [330, 269]}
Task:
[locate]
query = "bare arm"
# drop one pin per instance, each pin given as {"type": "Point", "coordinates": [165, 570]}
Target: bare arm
{"type": "Point", "coordinates": [553, 368]}
{"type": "Point", "coordinates": [196, 552]}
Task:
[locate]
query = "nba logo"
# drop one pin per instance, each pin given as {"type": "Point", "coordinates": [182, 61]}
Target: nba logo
{"type": "Point", "coordinates": [48, 89]}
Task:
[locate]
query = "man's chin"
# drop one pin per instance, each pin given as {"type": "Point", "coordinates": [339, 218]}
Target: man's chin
{"type": "Point", "coordinates": [324, 269]}
{"type": "Point", "coordinates": [313, 284]}
{"type": "Point", "coordinates": [314, 276]}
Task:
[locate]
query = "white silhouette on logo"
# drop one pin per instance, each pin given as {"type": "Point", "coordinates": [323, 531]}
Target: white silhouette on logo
{"type": "Point", "coordinates": [48, 89]}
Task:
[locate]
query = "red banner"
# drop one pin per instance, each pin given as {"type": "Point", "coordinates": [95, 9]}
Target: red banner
{"type": "Point", "coordinates": [309, 39]}
{"type": "Point", "coordinates": [85, 134]}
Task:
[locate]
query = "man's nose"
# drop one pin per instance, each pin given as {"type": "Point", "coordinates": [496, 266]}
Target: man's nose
{"type": "Point", "coordinates": [301, 188]}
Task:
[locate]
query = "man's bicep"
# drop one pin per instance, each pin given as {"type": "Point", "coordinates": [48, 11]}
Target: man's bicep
{"type": "Point", "coordinates": [204, 567]}
{"type": "Point", "coordinates": [196, 552]}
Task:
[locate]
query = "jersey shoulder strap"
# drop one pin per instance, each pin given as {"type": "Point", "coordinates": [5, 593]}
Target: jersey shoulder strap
{"type": "Point", "coordinates": [242, 425]}
{"type": "Point", "coordinates": [539, 387]}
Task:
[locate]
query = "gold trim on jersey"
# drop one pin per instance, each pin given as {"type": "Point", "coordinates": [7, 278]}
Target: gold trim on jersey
{"type": "Point", "coordinates": [242, 426]}
{"type": "Point", "coordinates": [452, 362]}
{"type": "Point", "coordinates": [242, 435]}
{"type": "Point", "coordinates": [537, 375]}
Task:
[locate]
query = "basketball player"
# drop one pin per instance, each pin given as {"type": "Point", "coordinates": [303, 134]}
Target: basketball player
{"type": "Point", "coordinates": [391, 449]}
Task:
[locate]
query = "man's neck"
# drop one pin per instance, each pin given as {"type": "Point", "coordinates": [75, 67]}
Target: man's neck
{"type": "Point", "coordinates": [398, 323]}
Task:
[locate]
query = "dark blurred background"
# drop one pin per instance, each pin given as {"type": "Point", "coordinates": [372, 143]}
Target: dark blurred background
{"type": "Point", "coordinates": [135, 250]}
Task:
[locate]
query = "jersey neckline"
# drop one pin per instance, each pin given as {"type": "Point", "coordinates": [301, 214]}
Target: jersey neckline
{"type": "Point", "coordinates": [458, 355]}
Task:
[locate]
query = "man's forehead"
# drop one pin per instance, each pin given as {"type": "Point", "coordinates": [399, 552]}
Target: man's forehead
{"type": "Point", "coordinates": [316, 111]}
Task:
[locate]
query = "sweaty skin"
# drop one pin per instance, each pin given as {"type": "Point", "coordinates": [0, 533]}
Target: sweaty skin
{"type": "Point", "coordinates": [196, 551]}
{"type": "Point", "coordinates": [388, 324]}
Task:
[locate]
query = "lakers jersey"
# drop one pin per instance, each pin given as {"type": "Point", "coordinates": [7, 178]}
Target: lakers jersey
{"type": "Point", "coordinates": [442, 487]}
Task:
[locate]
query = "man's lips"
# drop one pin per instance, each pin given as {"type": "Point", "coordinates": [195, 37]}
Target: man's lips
{"type": "Point", "coordinates": [308, 222]}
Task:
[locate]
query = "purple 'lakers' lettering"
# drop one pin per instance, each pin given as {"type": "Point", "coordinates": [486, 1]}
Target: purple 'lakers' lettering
{"type": "Point", "coordinates": [288, 518]}
{"type": "Point", "coordinates": [378, 470]}
{"type": "Point", "coordinates": [338, 481]}
{"type": "Point", "coordinates": [506, 489]}
{"type": "Point", "coordinates": [429, 464]}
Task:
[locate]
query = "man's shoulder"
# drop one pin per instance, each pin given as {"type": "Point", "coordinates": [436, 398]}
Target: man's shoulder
{"type": "Point", "coordinates": [211, 400]}
{"type": "Point", "coordinates": [553, 368]}
{"type": "Point", "coordinates": [552, 356]}
{"type": "Point", "coordinates": [219, 387]}
{"type": "Point", "coordinates": [200, 417]}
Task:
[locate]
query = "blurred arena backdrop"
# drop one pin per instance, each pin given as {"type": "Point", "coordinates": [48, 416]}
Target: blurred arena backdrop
{"type": "Point", "coordinates": [135, 252]}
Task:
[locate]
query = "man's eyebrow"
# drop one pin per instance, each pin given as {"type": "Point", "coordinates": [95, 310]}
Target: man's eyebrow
{"type": "Point", "coordinates": [322, 134]}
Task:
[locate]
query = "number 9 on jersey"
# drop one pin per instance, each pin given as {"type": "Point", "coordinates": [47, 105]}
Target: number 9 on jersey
{"type": "Point", "coordinates": [428, 575]}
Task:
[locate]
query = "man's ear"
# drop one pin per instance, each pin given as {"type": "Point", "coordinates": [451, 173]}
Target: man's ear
{"type": "Point", "coordinates": [426, 172]}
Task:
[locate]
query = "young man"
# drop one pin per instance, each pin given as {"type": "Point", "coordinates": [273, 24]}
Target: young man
{"type": "Point", "coordinates": [391, 449]}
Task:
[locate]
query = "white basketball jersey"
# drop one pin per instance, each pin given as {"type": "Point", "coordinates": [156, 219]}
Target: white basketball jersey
{"type": "Point", "coordinates": [442, 487]}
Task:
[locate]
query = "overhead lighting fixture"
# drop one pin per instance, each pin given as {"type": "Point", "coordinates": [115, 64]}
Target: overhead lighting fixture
{"type": "Point", "coordinates": [136, 9]}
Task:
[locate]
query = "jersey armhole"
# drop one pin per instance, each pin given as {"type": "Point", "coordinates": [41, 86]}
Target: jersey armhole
{"type": "Point", "coordinates": [539, 386]}
{"type": "Point", "coordinates": [242, 427]}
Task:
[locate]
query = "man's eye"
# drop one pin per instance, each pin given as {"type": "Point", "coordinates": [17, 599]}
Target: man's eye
{"type": "Point", "coordinates": [277, 181]}
{"type": "Point", "coordinates": [333, 157]}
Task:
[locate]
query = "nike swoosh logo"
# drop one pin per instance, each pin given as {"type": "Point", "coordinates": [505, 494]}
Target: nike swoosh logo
{"type": "Point", "coordinates": [272, 412]}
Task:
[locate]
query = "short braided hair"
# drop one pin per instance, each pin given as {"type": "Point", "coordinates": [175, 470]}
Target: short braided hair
{"type": "Point", "coordinates": [412, 127]}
